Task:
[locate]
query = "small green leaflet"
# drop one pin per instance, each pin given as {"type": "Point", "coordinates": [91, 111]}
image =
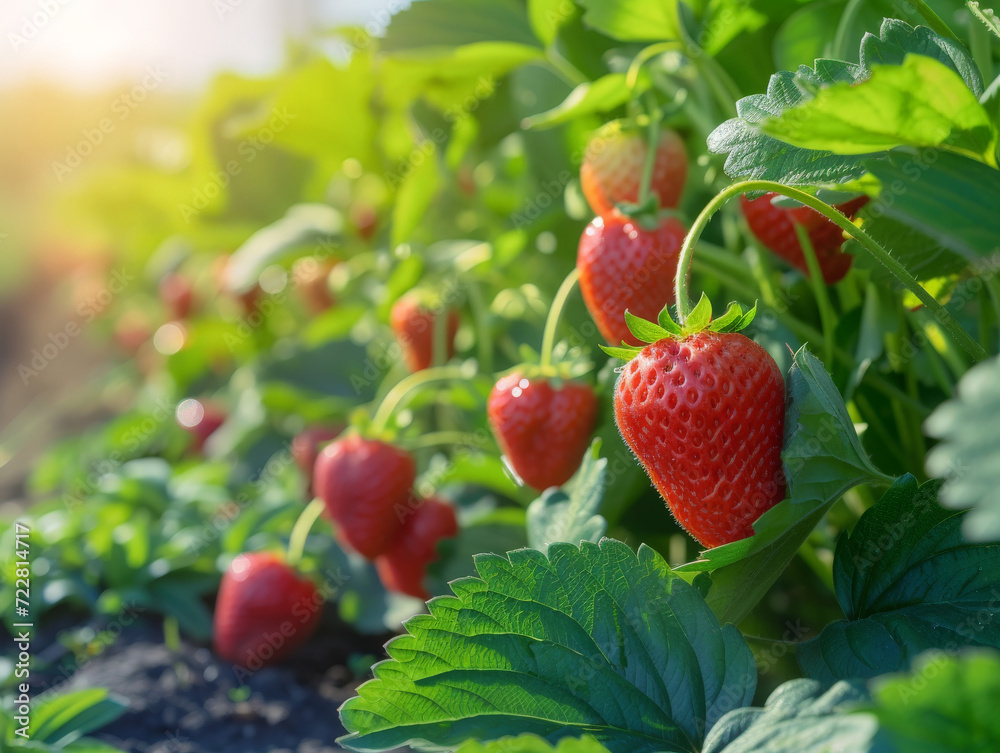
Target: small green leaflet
{"type": "Point", "coordinates": [823, 459]}
{"type": "Point", "coordinates": [571, 517]}
{"type": "Point", "coordinates": [948, 703]}
{"type": "Point", "coordinates": [699, 320]}
{"type": "Point", "coordinates": [801, 716]}
{"type": "Point", "coordinates": [602, 95]}
{"type": "Point", "coordinates": [752, 154]}
{"type": "Point", "coordinates": [920, 103]}
{"type": "Point", "coordinates": [597, 639]}
{"type": "Point", "coordinates": [968, 457]}
{"type": "Point", "coordinates": [62, 719]}
{"type": "Point", "coordinates": [907, 582]}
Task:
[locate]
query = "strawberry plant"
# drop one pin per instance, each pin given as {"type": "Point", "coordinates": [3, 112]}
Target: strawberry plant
{"type": "Point", "coordinates": [634, 362]}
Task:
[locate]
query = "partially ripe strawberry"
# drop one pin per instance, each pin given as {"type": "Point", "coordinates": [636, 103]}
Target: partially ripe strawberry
{"type": "Point", "coordinates": [542, 427]}
{"type": "Point", "coordinates": [613, 163]}
{"type": "Point", "coordinates": [414, 328]}
{"type": "Point", "coordinates": [366, 485]}
{"type": "Point", "coordinates": [775, 229]}
{"type": "Point", "coordinates": [264, 610]}
{"type": "Point", "coordinates": [704, 412]}
{"type": "Point", "coordinates": [624, 266]}
{"type": "Point", "coordinates": [365, 220]}
{"type": "Point", "coordinates": [200, 420]}
{"type": "Point", "coordinates": [177, 294]}
{"type": "Point", "coordinates": [306, 445]}
{"type": "Point", "coordinates": [402, 568]}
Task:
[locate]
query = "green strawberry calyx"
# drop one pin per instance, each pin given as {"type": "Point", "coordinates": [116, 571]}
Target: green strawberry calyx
{"type": "Point", "coordinates": [699, 320]}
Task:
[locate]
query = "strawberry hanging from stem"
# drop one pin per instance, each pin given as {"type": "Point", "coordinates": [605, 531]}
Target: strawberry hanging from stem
{"type": "Point", "coordinates": [703, 409]}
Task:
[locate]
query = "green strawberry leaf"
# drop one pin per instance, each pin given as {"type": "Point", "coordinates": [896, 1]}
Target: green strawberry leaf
{"type": "Point", "coordinates": [633, 20]}
{"type": "Point", "coordinates": [897, 39]}
{"type": "Point", "coordinates": [753, 154]}
{"type": "Point", "coordinates": [571, 517]}
{"type": "Point", "coordinates": [947, 703]}
{"type": "Point", "coordinates": [597, 639]}
{"type": "Point", "coordinates": [801, 716]}
{"type": "Point", "coordinates": [733, 315]}
{"type": "Point", "coordinates": [823, 459]}
{"type": "Point", "coordinates": [454, 23]}
{"type": "Point", "coordinates": [63, 718]}
{"type": "Point", "coordinates": [535, 744]}
{"type": "Point", "coordinates": [968, 457]}
{"type": "Point", "coordinates": [667, 322]}
{"type": "Point", "coordinates": [920, 103]}
{"type": "Point", "coordinates": [950, 198]}
{"type": "Point", "coordinates": [625, 353]}
{"type": "Point", "coordinates": [907, 581]}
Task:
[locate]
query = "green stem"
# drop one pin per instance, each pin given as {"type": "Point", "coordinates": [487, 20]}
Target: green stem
{"type": "Point", "coordinates": [827, 316]}
{"type": "Point", "coordinates": [564, 69]}
{"type": "Point", "coordinates": [172, 633]}
{"type": "Point", "coordinates": [300, 531]}
{"type": "Point", "coordinates": [933, 19]}
{"type": "Point", "coordinates": [980, 45]}
{"type": "Point", "coordinates": [439, 345]}
{"type": "Point", "coordinates": [723, 87]}
{"type": "Point", "coordinates": [481, 317]}
{"type": "Point", "coordinates": [439, 438]}
{"type": "Point", "coordinates": [949, 322]}
{"type": "Point", "coordinates": [652, 143]}
{"type": "Point", "coordinates": [552, 321]}
{"type": "Point", "coordinates": [646, 53]}
{"type": "Point", "coordinates": [392, 399]}
{"type": "Point", "coordinates": [841, 48]}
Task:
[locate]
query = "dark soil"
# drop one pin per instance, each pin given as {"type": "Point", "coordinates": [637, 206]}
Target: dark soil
{"type": "Point", "coordinates": [190, 702]}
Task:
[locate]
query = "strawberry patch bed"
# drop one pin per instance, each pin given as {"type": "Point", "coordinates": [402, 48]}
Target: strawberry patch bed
{"type": "Point", "coordinates": [563, 376]}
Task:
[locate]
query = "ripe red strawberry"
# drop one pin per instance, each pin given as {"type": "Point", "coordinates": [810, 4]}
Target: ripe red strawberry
{"type": "Point", "coordinates": [366, 485]}
{"type": "Point", "coordinates": [414, 328]}
{"type": "Point", "coordinates": [177, 295]}
{"type": "Point", "coordinates": [200, 420]}
{"type": "Point", "coordinates": [264, 610]}
{"type": "Point", "coordinates": [402, 568]}
{"type": "Point", "coordinates": [306, 444]}
{"type": "Point", "coordinates": [775, 228]}
{"type": "Point", "coordinates": [613, 163]}
{"type": "Point", "coordinates": [542, 428]}
{"type": "Point", "coordinates": [704, 412]}
{"type": "Point", "coordinates": [624, 266]}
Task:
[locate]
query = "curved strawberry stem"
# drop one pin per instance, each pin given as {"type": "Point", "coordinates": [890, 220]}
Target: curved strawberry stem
{"type": "Point", "coordinates": [395, 396]}
{"type": "Point", "coordinates": [552, 321]}
{"type": "Point", "coordinates": [958, 334]}
{"type": "Point", "coordinates": [300, 531]}
{"type": "Point", "coordinates": [652, 146]}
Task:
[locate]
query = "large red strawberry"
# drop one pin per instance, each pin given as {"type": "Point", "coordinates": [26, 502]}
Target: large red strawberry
{"type": "Point", "coordinates": [624, 266]}
{"type": "Point", "coordinates": [402, 568]}
{"type": "Point", "coordinates": [264, 610]}
{"type": "Point", "coordinates": [542, 427]}
{"type": "Point", "coordinates": [775, 228]}
{"type": "Point", "coordinates": [704, 411]}
{"type": "Point", "coordinates": [366, 485]}
{"type": "Point", "coordinates": [414, 328]}
{"type": "Point", "coordinates": [613, 164]}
